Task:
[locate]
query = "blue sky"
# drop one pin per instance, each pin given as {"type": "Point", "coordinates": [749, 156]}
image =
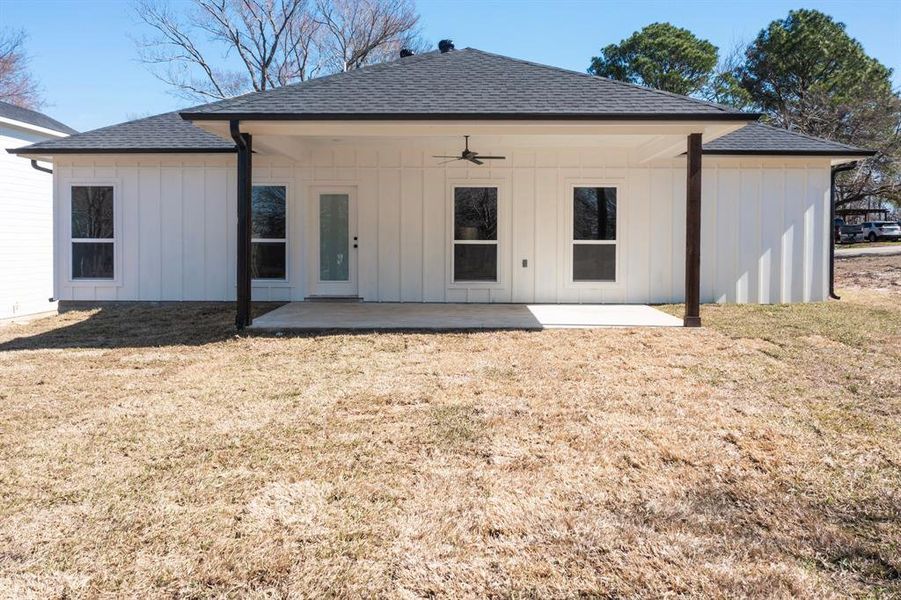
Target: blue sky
{"type": "Point", "coordinates": [84, 55]}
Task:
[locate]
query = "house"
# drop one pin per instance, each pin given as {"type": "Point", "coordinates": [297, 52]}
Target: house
{"type": "Point", "coordinates": [26, 215]}
{"type": "Point", "coordinates": [599, 192]}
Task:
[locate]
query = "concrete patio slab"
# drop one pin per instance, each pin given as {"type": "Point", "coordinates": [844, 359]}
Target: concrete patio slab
{"type": "Point", "coordinates": [327, 315]}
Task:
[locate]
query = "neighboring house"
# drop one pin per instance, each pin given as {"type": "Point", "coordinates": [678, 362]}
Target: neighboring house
{"type": "Point", "coordinates": [26, 215]}
{"type": "Point", "coordinates": [596, 198]}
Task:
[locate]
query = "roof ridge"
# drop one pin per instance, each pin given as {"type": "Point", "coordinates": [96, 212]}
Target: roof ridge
{"type": "Point", "coordinates": [722, 107]}
{"type": "Point", "coordinates": [238, 101]}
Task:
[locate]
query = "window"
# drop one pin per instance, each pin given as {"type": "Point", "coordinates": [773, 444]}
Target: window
{"type": "Point", "coordinates": [475, 234]}
{"type": "Point", "coordinates": [594, 234]}
{"type": "Point", "coordinates": [93, 232]}
{"type": "Point", "coordinates": [268, 243]}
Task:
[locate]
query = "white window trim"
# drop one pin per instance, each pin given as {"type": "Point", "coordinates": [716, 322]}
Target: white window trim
{"type": "Point", "coordinates": [116, 240]}
{"type": "Point", "coordinates": [618, 279]}
{"type": "Point", "coordinates": [286, 281]}
{"type": "Point", "coordinates": [500, 242]}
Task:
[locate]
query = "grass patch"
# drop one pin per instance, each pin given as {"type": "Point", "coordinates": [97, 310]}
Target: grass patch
{"type": "Point", "coordinates": [149, 451]}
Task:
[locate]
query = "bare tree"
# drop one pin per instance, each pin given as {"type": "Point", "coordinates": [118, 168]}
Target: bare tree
{"type": "Point", "coordinates": [270, 43]}
{"type": "Point", "coordinates": [17, 84]}
{"type": "Point", "coordinates": [355, 33]}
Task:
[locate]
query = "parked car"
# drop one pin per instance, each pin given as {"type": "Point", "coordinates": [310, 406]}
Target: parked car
{"type": "Point", "coordinates": [850, 233]}
{"type": "Point", "coordinates": [843, 233]}
{"type": "Point", "coordinates": [881, 230]}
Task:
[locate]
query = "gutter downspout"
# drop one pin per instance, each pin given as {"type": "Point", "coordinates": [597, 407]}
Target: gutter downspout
{"type": "Point", "coordinates": [35, 165]}
{"type": "Point", "coordinates": [243, 279]}
{"type": "Point", "coordinates": [833, 172]}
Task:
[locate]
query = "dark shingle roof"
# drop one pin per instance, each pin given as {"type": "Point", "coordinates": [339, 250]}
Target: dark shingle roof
{"type": "Point", "coordinates": [477, 81]}
{"type": "Point", "coordinates": [758, 138]}
{"type": "Point", "coordinates": [167, 132]}
{"type": "Point", "coordinates": [32, 117]}
{"type": "Point", "coordinates": [465, 83]}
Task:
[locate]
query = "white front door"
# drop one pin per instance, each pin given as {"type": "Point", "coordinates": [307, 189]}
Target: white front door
{"type": "Point", "coordinates": [335, 233]}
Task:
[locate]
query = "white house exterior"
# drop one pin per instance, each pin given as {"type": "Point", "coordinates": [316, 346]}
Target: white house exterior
{"type": "Point", "coordinates": [763, 226]}
{"type": "Point", "coordinates": [587, 205]}
{"type": "Point", "coordinates": [26, 216]}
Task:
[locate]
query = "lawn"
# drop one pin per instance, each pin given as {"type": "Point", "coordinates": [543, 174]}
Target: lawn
{"type": "Point", "coordinates": [866, 244]}
{"type": "Point", "coordinates": [151, 452]}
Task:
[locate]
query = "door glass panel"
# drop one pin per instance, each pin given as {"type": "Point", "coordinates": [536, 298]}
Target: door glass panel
{"type": "Point", "coordinates": [334, 246]}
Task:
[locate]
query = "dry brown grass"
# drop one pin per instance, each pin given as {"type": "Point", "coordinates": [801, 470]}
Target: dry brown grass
{"type": "Point", "coordinates": [150, 452]}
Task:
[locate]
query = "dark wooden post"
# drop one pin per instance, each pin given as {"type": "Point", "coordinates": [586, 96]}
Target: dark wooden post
{"type": "Point", "coordinates": [693, 233]}
{"type": "Point", "coordinates": [245, 215]}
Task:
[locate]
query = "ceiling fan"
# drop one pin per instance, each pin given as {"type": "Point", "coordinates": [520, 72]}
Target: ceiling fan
{"type": "Point", "coordinates": [467, 154]}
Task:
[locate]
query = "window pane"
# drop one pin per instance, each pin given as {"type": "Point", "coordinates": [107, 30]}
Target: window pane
{"type": "Point", "coordinates": [594, 262]}
{"type": "Point", "coordinates": [475, 213]}
{"type": "Point", "coordinates": [267, 260]}
{"type": "Point", "coordinates": [594, 213]}
{"type": "Point", "coordinates": [92, 212]}
{"type": "Point", "coordinates": [334, 251]}
{"type": "Point", "coordinates": [475, 262]}
{"type": "Point", "coordinates": [92, 260]}
{"type": "Point", "coordinates": [268, 211]}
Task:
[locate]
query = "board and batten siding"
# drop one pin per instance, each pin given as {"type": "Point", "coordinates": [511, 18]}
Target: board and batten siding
{"type": "Point", "coordinates": [765, 224]}
{"type": "Point", "coordinates": [26, 232]}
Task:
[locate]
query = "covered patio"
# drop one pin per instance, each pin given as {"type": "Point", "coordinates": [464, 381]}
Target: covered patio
{"type": "Point", "coordinates": [395, 315]}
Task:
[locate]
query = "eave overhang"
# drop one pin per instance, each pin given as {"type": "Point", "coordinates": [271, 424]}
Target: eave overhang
{"type": "Point", "coordinates": [479, 116]}
{"type": "Point", "coordinates": [834, 153]}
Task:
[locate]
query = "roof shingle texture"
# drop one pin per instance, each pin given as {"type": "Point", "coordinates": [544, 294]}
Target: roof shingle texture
{"type": "Point", "coordinates": [465, 82]}
{"type": "Point", "coordinates": [758, 138]}
{"type": "Point", "coordinates": [166, 132]}
{"type": "Point", "coordinates": [32, 117]}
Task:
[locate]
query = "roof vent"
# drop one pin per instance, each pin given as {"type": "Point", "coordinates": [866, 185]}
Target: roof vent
{"type": "Point", "coordinates": [405, 52]}
{"type": "Point", "coordinates": [445, 46]}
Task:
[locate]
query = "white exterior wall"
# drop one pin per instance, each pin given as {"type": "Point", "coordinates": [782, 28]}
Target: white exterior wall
{"type": "Point", "coordinates": [764, 230]}
{"type": "Point", "coordinates": [26, 234]}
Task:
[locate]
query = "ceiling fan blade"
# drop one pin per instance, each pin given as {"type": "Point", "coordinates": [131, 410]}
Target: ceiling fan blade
{"type": "Point", "coordinates": [475, 160]}
{"type": "Point", "coordinates": [492, 157]}
{"type": "Point", "coordinates": [440, 156]}
{"type": "Point", "coordinates": [444, 162]}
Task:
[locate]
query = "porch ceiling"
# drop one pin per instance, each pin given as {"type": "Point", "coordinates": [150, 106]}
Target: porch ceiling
{"type": "Point", "coordinates": [425, 128]}
{"type": "Point", "coordinates": [642, 147]}
{"type": "Point", "coordinates": [650, 139]}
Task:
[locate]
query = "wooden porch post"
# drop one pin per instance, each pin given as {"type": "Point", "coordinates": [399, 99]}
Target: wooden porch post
{"type": "Point", "coordinates": [245, 189]}
{"type": "Point", "coordinates": [693, 233]}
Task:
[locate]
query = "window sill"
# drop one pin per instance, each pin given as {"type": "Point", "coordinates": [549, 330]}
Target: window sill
{"type": "Point", "coordinates": [94, 283]}
{"type": "Point", "coordinates": [270, 283]}
{"type": "Point", "coordinates": [475, 284]}
{"type": "Point", "coordinates": [594, 285]}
